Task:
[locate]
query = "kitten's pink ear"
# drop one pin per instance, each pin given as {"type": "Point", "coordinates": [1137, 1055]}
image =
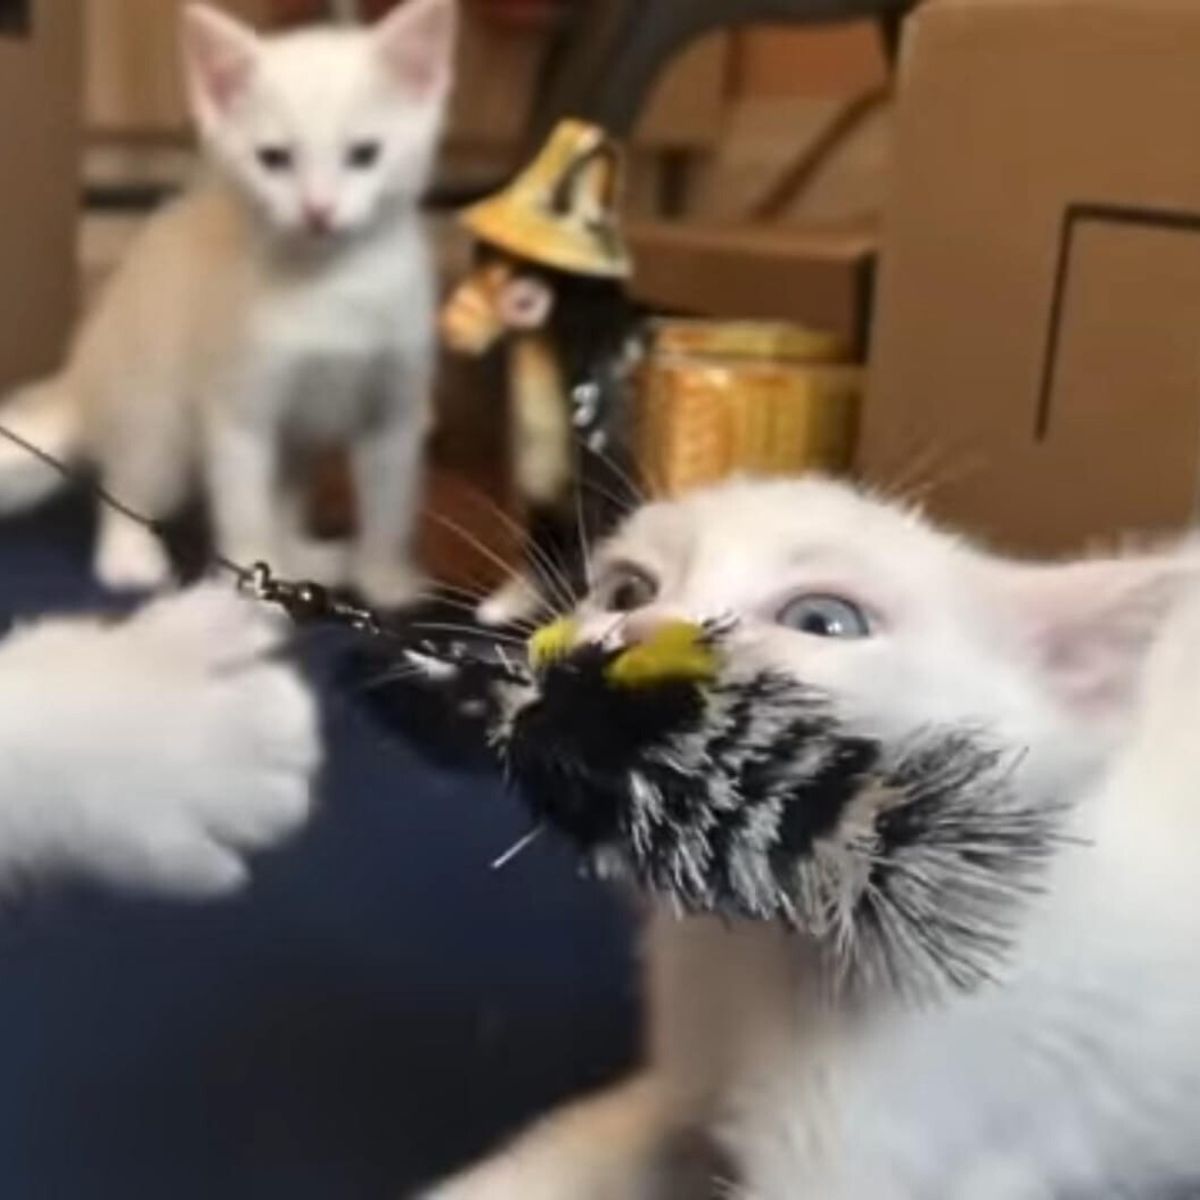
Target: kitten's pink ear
{"type": "Point", "coordinates": [219, 55]}
{"type": "Point", "coordinates": [1091, 623]}
{"type": "Point", "coordinates": [416, 41]}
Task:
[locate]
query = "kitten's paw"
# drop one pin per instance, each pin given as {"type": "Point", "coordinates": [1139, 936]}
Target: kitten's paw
{"type": "Point", "coordinates": [209, 627]}
{"type": "Point", "coordinates": [130, 557]}
{"type": "Point", "coordinates": [515, 600]}
{"type": "Point", "coordinates": [173, 862]}
{"type": "Point", "coordinates": [252, 791]}
{"type": "Point", "coordinates": [174, 748]}
{"type": "Point", "coordinates": [387, 584]}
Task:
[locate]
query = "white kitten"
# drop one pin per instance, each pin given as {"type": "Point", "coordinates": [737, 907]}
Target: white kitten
{"type": "Point", "coordinates": [156, 752]}
{"type": "Point", "coordinates": [1076, 1072]}
{"type": "Point", "coordinates": [283, 302]}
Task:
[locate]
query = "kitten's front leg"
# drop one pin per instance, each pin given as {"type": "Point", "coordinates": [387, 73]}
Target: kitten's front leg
{"type": "Point", "coordinates": [242, 475]}
{"type": "Point", "coordinates": [389, 474]}
{"type": "Point", "coordinates": [128, 555]}
{"type": "Point", "coordinates": [613, 1146]}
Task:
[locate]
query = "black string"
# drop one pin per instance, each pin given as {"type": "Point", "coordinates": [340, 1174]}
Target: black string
{"type": "Point", "coordinates": [102, 493]}
{"type": "Point", "coordinates": [305, 602]}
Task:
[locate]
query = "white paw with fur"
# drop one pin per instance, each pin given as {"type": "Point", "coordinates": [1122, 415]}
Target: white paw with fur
{"type": "Point", "coordinates": [157, 753]}
{"type": "Point", "coordinates": [130, 557]}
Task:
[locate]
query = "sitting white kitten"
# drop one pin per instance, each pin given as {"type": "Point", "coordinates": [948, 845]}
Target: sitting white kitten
{"type": "Point", "coordinates": [285, 301]}
{"type": "Point", "coordinates": [1075, 1072]}
{"type": "Point", "coordinates": [153, 753]}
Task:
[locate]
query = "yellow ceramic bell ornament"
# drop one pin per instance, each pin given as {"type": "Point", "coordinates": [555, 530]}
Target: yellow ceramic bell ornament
{"type": "Point", "coordinates": [548, 242]}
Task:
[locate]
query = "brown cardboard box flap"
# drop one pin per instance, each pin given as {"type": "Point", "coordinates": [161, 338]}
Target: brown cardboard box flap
{"type": "Point", "coordinates": [814, 276]}
{"type": "Point", "coordinates": [1039, 302]}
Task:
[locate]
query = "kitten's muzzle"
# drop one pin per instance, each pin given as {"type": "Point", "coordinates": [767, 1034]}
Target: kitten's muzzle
{"type": "Point", "coordinates": [319, 216]}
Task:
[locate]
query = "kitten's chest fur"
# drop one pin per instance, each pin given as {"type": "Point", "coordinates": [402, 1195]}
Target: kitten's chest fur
{"type": "Point", "coordinates": [355, 302]}
{"type": "Point", "coordinates": [1076, 1078]}
{"type": "Point", "coordinates": [344, 330]}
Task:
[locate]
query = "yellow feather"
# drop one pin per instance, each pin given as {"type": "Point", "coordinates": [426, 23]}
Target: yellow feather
{"type": "Point", "coordinates": [552, 642]}
{"type": "Point", "coordinates": [677, 651]}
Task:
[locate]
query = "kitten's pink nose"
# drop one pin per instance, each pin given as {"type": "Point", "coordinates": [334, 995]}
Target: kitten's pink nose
{"type": "Point", "coordinates": [318, 215]}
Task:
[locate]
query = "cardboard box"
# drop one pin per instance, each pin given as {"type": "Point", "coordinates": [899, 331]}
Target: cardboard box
{"type": "Point", "coordinates": [754, 169]}
{"type": "Point", "coordinates": [1038, 320]}
{"type": "Point", "coordinates": [834, 59]}
{"type": "Point", "coordinates": [39, 206]}
{"type": "Point", "coordinates": [819, 277]}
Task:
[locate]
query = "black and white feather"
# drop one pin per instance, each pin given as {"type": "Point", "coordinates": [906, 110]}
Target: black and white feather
{"type": "Point", "coordinates": [748, 797]}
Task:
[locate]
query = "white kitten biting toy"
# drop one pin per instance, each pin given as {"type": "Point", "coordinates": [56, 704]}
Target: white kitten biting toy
{"type": "Point", "coordinates": [916, 824]}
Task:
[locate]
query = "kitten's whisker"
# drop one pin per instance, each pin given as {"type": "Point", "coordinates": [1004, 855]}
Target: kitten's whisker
{"type": "Point", "coordinates": [507, 569]}
{"type": "Point", "coordinates": [581, 532]}
{"type": "Point", "coordinates": [474, 599]}
{"type": "Point", "coordinates": [522, 843]}
{"type": "Point", "coordinates": [554, 571]}
{"type": "Point", "coordinates": [554, 576]}
{"type": "Point", "coordinates": [622, 504]}
{"type": "Point", "coordinates": [934, 466]}
{"type": "Point", "coordinates": [471, 631]}
{"type": "Point", "coordinates": [439, 589]}
{"type": "Point", "coordinates": [637, 493]}
{"type": "Point", "coordinates": [965, 468]}
{"type": "Point", "coordinates": [391, 675]}
{"type": "Point", "coordinates": [469, 607]}
{"type": "Point", "coordinates": [913, 469]}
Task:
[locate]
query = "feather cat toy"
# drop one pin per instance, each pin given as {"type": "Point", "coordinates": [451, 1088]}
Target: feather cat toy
{"type": "Point", "coordinates": [736, 791]}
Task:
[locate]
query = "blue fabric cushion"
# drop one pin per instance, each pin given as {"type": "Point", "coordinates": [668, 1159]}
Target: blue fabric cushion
{"type": "Point", "coordinates": [378, 1008]}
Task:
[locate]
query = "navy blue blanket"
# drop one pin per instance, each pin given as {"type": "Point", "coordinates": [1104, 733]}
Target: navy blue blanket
{"type": "Point", "coordinates": [379, 1007]}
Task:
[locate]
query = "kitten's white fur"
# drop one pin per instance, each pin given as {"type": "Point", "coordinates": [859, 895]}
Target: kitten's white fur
{"type": "Point", "coordinates": [270, 308]}
{"type": "Point", "coordinates": [1078, 1072]}
{"type": "Point", "coordinates": [155, 753]}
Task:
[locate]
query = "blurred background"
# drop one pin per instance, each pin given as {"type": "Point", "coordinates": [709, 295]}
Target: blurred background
{"type": "Point", "coordinates": [988, 204]}
{"type": "Point", "coordinates": [949, 248]}
{"type": "Point", "coordinates": [381, 1006]}
{"type": "Point", "coordinates": [776, 131]}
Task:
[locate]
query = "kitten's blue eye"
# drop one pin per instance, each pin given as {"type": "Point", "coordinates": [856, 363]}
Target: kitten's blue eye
{"type": "Point", "coordinates": [275, 158]}
{"type": "Point", "coordinates": [824, 616]}
{"type": "Point", "coordinates": [363, 155]}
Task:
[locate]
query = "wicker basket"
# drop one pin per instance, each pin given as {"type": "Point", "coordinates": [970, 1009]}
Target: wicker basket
{"type": "Point", "coordinates": [719, 398]}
